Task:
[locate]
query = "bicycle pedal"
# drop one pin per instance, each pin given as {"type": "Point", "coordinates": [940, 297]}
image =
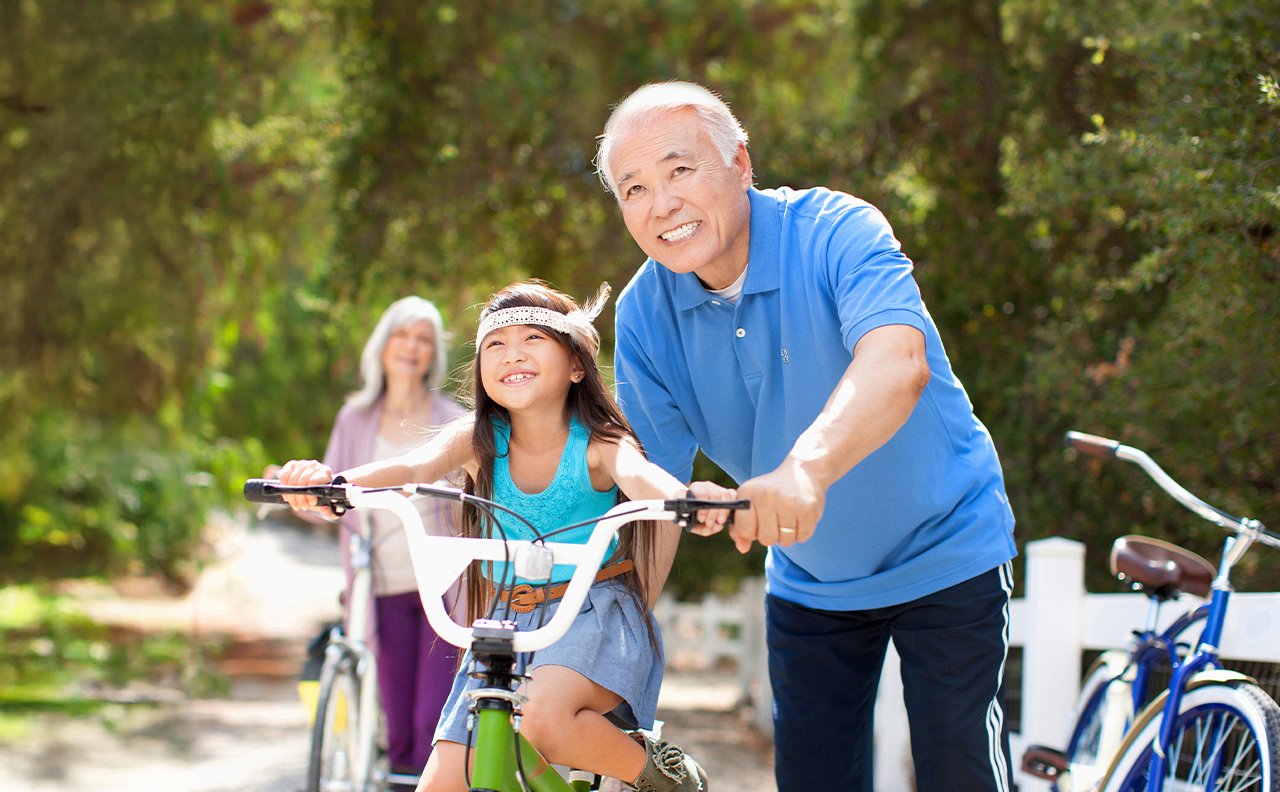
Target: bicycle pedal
{"type": "Point", "coordinates": [1043, 762]}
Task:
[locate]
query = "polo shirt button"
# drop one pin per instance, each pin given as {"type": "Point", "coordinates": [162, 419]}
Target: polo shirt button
{"type": "Point", "coordinates": [741, 332]}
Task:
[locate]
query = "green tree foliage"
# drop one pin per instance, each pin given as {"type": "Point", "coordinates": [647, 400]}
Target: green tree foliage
{"type": "Point", "coordinates": [1155, 226]}
{"type": "Point", "coordinates": [104, 157]}
{"type": "Point", "coordinates": [204, 207]}
{"type": "Point", "coordinates": [154, 218]}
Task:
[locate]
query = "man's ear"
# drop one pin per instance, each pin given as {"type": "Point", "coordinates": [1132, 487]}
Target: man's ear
{"type": "Point", "coordinates": [742, 161]}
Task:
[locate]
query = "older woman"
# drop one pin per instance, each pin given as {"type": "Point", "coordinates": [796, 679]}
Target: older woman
{"type": "Point", "coordinates": [400, 402]}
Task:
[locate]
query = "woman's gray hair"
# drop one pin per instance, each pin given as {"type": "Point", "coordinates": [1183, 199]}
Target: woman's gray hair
{"type": "Point", "coordinates": [656, 99]}
{"type": "Point", "coordinates": [405, 311]}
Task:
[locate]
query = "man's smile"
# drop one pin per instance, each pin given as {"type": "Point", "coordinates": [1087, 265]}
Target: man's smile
{"type": "Point", "coordinates": [680, 232]}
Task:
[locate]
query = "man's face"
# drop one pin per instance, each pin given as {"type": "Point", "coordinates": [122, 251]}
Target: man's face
{"type": "Point", "coordinates": [684, 207]}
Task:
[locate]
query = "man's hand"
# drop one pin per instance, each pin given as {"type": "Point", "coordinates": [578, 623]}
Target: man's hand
{"type": "Point", "coordinates": [305, 473]}
{"type": "Point", "coordinates": [785, 507]}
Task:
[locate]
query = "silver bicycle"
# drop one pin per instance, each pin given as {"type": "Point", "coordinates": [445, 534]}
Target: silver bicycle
{"type": "Point", "coordinates": [347, 731]}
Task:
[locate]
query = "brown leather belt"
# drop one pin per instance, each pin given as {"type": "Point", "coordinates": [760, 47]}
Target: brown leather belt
{"type": "Point", "coordinates": [524, 597]}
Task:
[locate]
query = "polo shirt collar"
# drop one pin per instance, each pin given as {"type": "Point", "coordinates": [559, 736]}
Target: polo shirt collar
{"type": "Point", "coordinates": [766, 231]}
{"type": "Point", "coordinates": [762, 259]}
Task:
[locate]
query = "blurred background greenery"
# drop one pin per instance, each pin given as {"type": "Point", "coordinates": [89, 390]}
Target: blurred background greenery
{"type": "Point", "coordinates": [205, 205]}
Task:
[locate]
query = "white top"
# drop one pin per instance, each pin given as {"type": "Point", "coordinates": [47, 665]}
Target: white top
{"type": "Point", "coordinates": [733, 291]}
{"type": "Point", "coordinates": [392, 569]}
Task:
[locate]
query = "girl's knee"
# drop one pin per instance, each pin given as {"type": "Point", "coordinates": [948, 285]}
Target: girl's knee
{"type": "Point", "coordinates": [544, 723]}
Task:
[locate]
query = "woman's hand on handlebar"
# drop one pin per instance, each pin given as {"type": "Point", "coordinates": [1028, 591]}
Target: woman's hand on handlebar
{"type": "Point", "coordinates": [711, 521]}
{"type": "Point", "coordinates": [303, 473]}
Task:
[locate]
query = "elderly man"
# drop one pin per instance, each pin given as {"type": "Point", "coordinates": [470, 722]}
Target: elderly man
{"type": "Point", "coordinates": [782, 332]}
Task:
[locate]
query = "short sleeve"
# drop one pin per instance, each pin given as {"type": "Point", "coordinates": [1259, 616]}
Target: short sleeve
{"type": "Point", "coordinates": [871, 279]}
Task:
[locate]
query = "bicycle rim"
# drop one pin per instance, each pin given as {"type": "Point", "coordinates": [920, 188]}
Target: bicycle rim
{"type": "Point", "coordinates": [1226, 739]}
{"type": "Point", "coordinates": [335, 736]}
{"type": "Point", "coordinates": [1105, 711]}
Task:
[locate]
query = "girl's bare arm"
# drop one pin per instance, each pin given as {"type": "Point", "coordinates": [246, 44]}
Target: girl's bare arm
{"type": "Point", "coordinates": [640, 479]}
{"type": "Point", "coordinates": [447, 450]}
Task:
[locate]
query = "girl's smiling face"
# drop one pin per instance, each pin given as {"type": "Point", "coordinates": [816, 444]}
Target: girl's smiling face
{"type": "Point", "coordinates": [524, 366]}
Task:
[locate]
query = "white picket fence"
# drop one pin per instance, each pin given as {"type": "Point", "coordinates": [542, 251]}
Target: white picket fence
{"type": "Point", "coordinates": [1054, 622]}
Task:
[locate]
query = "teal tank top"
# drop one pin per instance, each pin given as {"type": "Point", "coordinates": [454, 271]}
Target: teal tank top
{"type": "Point", "coordinates": [569, 498]}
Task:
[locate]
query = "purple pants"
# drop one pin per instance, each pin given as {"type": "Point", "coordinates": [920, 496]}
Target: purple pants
{"type": "Point", "coordinates": [415, 673]}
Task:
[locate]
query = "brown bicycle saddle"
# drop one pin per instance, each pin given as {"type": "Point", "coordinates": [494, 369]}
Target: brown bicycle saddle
{"type": "Point", "coordinates": [1161, 568]}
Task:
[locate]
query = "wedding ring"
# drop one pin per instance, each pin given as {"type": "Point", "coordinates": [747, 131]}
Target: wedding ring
{"type": "Point", "coordinates": [786, 530]}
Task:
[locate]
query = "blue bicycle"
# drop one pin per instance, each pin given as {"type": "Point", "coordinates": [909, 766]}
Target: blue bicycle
{"type": "Point", "coordinates": [1207, 728]}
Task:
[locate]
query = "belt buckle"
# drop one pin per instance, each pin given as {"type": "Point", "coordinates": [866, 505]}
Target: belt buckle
{"type": "Point", "coordinates": [523, 598]}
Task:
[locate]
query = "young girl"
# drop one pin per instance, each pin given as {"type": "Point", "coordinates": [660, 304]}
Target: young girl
{"type": "Point", "coordinates": [547, 439]}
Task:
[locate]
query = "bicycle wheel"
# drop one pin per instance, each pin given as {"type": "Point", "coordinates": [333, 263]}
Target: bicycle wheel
{"type": "Point", "coordinates": [335, 735]}
{"type": "Point", "coordinates": [1102, 715]}
{"type": "Point", "coordinates": [1226, 739]}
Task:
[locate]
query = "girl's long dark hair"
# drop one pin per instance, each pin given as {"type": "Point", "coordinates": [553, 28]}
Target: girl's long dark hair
{"type": "Point", "coordinates": [590, 401]}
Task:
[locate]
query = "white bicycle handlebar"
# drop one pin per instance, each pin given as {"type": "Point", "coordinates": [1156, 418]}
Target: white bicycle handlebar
{"type": "Point", "coordinates": [438, 561]}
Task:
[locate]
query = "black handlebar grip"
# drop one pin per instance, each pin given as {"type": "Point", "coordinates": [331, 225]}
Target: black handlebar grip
{"type": "Point", "coordinates": [261, 491]}
{"type": "Point", "coordinates": [697, 504]}
{"type": "Point", "coordinates": [1093, 445]}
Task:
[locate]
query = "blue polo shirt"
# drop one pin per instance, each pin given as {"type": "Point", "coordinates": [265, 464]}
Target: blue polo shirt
{"type": "Point", "coordinates": [925, 511]}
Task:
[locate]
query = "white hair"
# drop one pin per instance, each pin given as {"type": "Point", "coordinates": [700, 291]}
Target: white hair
{"type": "Point", "coordinates": [656, 99]}
{"type": "Point", "coordinates": [405, 311]}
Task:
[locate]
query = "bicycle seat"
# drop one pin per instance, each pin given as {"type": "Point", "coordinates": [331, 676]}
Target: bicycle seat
{"type": "Point", "coordinates": [1161, 568]}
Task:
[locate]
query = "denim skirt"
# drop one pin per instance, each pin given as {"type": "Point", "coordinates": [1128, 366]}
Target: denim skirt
{"type": "Point", "coordinates": [608, 643]}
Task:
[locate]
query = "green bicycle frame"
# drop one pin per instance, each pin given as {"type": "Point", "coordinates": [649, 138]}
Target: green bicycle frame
{"type": "Point", "coordinates": [495, 765]}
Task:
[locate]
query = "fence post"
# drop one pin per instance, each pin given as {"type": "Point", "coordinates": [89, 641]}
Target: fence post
{"type": "Point", "coordinates": [753, 672]}
{"type": "Point", "coordinates": [1054, 605]}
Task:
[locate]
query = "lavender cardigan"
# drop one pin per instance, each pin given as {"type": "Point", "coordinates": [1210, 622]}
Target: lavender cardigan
{"type": "Point", "coordinates": [351, 443]}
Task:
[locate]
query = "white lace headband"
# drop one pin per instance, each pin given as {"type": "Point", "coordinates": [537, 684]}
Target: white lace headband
{"type": "Point", "coordinates": [576, 323]}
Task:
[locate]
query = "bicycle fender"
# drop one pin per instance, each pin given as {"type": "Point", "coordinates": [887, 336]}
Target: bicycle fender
{"type": "Point", "coordinates": [1218, 675]}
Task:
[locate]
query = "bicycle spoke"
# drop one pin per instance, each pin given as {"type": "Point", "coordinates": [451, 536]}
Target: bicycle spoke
{"type": "Point", "coordinates": [1200, 763]}
{"type": "Point", "coordinates": [1215, 751]}
{"type": "Point", "coordinates": [1240, 776]}
{"type": "Point", "coordinates": [1251, 774]}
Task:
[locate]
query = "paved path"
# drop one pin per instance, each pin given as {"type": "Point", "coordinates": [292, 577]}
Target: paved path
{"type": "Point", "coordinates": [273, 583]}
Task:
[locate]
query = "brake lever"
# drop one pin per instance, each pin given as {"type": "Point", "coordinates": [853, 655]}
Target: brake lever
{"type": "Point", "coordinates": [686, 508]}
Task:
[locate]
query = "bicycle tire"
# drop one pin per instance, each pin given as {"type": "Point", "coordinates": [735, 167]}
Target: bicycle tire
{"type": "Point", "coordinates": [331, 764]}
{"type": "Point", "coordinates": [1228, 726]}
{"type": "Point", "coordinates": [1101, 717]}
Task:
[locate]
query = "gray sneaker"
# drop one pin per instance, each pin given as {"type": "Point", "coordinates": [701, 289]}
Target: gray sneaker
{"type": "Point", "coordinates": [667, 769]}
